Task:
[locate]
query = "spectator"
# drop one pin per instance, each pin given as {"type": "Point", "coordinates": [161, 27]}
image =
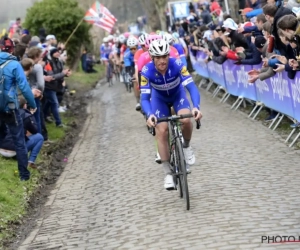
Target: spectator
{"type": "Point", "coordinates": [36, 81]}
{"type": "Point", "coordinates": [10, 117]}
{"type": "Point", "coordinates": [34, 140]}
{"type": "Point", "coordinates": [51, 88]}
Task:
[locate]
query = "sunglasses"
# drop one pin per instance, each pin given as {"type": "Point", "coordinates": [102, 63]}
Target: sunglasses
{"type": "Point", "coordinates": [132, 48]}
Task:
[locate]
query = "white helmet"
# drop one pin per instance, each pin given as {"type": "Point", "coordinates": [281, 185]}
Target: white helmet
{"type": "Point", "coordinates": [116, 39]}
{"type": "Point", "coordinates": [105, 40]}
{"type": "Point", "coordinates": [168, 38]}
{"type": "Point", "coordinates": [132, 41]}
{"type": "Point", "coordinates": [142, 39]}
{"type": "Point", "coordinates": [122, 38]}
{"type": "Point", "coordinates": [110, 38]}
{"type": "Point", "coordinates": [159, 48]}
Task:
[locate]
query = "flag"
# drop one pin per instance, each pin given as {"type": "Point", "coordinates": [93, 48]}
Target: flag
{"type": "Point", "coordinates": [100, 16]}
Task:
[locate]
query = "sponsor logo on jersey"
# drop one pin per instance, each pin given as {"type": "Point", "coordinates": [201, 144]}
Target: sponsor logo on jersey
{"type": "Point", "coordinates": [184, 71]}
{"type": "Point", "coordinates": [144, 81]}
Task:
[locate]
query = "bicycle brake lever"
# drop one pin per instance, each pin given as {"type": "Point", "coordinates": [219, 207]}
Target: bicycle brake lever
{"type": "Point", "coordinates": [198, 123]}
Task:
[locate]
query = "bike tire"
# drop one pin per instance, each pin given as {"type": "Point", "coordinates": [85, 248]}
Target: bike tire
{"type": "Point", "coordinates": [182, 173]}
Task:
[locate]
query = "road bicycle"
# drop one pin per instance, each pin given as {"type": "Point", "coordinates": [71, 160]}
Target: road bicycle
{"type": "Point", "coordinates": [177, 159]}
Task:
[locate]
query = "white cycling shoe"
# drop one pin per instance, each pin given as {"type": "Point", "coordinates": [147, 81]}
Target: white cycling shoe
{"type": "Point", "coordinates": [169, 182]}
{"type": "Point", "coordinates": [189, 155]}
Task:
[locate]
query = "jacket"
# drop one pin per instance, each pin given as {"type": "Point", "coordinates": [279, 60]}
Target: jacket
{"type": "Point", "coordinates": [55, 68]}
{"type": "Point", "coordinates": [15, 78]}
{"type": "Point", "coordinates": [36, 77]}
{"type": "Point", "coordinates": [255, 57]}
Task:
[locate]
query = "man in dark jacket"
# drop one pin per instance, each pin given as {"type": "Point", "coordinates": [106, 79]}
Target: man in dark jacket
{"type": "Point", "coordinates": [56, 70]}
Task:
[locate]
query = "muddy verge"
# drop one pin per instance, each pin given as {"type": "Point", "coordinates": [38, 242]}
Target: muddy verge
{"type": "Point", "coordinates": [54, 161]}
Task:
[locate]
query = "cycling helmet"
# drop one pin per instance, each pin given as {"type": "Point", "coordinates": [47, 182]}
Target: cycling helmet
{"type": "Point", "coordinates": [122, 39]}
{"type": "Point", "coordinates": [175, 35]}
{"type": "Point", "coordinates": [116, 39]}
{"type": "Point", "coordinates": [127, 34]}
{"type": "Point", "coordinates": [132, 41]}
{"type": "Point", "coordinates": [142, 39]}
{"type": "Point", "coordinates": [150, 39]}
{"type": "Point", "coordinates": [159, 48]}
{"type": "Point", "coordinates": [168, 38]}
{"type": "Point", "coordinates": [105, 40]}
{"type": "Point", "coordinates": [110, 38]}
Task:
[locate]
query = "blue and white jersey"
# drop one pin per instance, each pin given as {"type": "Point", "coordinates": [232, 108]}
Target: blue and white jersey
{"type": "Point", "coordinates": [105, 51]}
{"type": "Point", "coordinates": [128, 58]}
{"type": "Point", "coordinates": [166, 87]}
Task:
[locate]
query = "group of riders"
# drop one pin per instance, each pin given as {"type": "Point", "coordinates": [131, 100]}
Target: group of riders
{"type": "Point", "coordinates": [157, 66]}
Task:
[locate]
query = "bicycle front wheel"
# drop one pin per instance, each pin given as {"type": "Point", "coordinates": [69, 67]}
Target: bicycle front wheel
{"type": "Point", "coordinates": [183, 184]}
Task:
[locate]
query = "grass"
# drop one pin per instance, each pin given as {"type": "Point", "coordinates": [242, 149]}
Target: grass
{"type": "Point", "coordinates": [14, 194]}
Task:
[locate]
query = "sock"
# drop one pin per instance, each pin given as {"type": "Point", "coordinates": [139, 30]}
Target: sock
{"type": "Point", "coordinates": [166, 167]}
{"type": "Point", "coordinates": [186, 143]}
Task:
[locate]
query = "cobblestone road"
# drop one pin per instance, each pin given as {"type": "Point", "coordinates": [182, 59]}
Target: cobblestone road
{"type": "Point", "coordinates": [244, 186]}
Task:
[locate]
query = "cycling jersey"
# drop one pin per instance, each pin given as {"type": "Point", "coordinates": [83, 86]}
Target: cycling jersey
{"type": "Point", "coordinates": [128, 58]}
{"type": "Point", "coordinates": [105, 51]}
{"type": "Point", "coordinates": [123, 49]}
{"type": "Point", "coordinates": [145, 58]}
{"type": "Point", "coordinates": [137, 55]}
{"type": "Point", "coordinates": [181, 52]}
{"type": "Point", "coordinates": [167, 89]}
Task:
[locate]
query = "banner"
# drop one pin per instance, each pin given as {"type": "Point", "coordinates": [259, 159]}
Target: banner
{"type": "Point", "coordinates": [216, 73]}
{"type": "Point", "coordinates": [229, 68]}
{"type": "Point", "coordinates": [295, 90]}
{"type": "Point", "coordinates": [180, 10]}
{"type": "Point", "coordinates": [199, 65]}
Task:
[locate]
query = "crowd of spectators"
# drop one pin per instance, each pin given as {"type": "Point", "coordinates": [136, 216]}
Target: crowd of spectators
{"type": "Point", "coordinates": [266, 32]}
{"type": "Point", "coordinates": [33, 84]}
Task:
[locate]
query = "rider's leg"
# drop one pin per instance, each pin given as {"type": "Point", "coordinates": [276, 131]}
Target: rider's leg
{"type": "Point", "coordinates": [182, 106]}
{"type": "Point", "coordinates": [137, 90]}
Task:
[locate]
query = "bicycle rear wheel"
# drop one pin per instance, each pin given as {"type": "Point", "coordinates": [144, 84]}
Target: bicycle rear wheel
{"type": "Point", "coordinates": [183, 184]}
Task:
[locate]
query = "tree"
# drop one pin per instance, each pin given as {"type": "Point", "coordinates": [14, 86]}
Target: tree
{"type": "Point", "coordinates": [155, 9]}
{"type": "Point", "coordinates": [60, 17]}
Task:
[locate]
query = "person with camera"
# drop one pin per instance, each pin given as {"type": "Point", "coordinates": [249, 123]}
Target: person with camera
{"type": "Point", "coordinates": [12, 76]}
{"type": "Point", "coordinates": [58, 73]}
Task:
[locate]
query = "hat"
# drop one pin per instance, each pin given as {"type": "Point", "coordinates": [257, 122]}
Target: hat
{"type": "Point", "coordinates": [230, 24]}
{"type": "Point", "coordinates": [246, 10]}
{"type": "Point", "coordinates": [33, 44]}
{"type": "Point", "coordinates": [52, 51]}
{"type": "Point", "coordinates": [7, 45]}
{"type": "Point", "coordinates": [260, 42]}
{"type": "Point", "coordinates": [25, 32]}
{"type": "Point", "coordinates": [49, 37]}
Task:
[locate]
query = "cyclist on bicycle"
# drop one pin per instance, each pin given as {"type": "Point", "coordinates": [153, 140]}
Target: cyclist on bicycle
{"type": "Point", "coordinates": [171, 41]}
{"type": "Point", "coordinates": [142, 42]}
{"type": "Point", "coordinates": [163, 81]}
{"type": "Point", "coordinates": [132, 46]}
{"type": "Point", "coordinates": [105, 53]}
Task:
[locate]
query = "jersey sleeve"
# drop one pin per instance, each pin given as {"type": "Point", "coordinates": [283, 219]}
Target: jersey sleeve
{"type": "Point", "coordinates": [188, 82]}
{"type": "Point", "coordinates": [145, 91]}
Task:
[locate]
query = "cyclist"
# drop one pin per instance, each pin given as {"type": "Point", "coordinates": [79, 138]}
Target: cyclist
{"type": "Point", "coordinates": [163, 81]}
{"type": "Point", "coordinates": [132, 46]}
{"type": "Point", "coordinates": [105, 51]}
{"type": "Point", "coordinates": [171, 41]}
{"type": "Point", "coordinates": [116, 54]}
{"type": "Point", "coordinates": [142, 42]}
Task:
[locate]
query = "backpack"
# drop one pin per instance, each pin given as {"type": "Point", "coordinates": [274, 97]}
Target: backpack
{"type": "Point", "coordinates": [3, 96]}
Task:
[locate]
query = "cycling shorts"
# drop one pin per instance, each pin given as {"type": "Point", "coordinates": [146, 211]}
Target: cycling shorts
{"type": "Point", "coordinates": [160, 105]}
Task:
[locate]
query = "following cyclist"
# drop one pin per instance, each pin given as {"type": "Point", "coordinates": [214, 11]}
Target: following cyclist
{"type": "Point", "coordinates": [171, 41]}
{"type": "Point", "coordinates": [132, 46]}
{"type": "Point", "coordinates": [163, 81]}
{"type": "Point", "coordinates": [105, 52]}
{"type": "Point", "coordinates": [137, 55]}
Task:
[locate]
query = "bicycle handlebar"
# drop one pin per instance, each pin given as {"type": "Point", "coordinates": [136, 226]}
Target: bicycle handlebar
{"type": "Point", "coordinates": [174, 118]}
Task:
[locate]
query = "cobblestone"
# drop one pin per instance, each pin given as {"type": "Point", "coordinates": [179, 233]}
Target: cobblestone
{"type": "Point", "coordinates": [244, 185]}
